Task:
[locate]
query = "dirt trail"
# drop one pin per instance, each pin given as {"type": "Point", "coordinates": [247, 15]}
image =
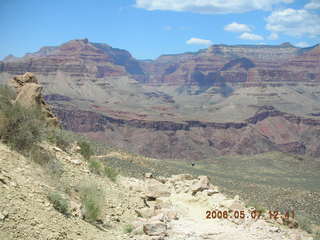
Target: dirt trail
{"type": "Point", "coordinates": [191, 208]}
{"type": "Point", "coordinates": [173, 208]}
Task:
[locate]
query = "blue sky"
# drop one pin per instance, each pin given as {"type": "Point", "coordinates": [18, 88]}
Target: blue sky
{"type": "Point", "coordinates": [149, 28]}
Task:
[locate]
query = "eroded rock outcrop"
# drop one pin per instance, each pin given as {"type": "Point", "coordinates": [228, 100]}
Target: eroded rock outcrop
{"type": "Point", "coordinates": [29, 94]}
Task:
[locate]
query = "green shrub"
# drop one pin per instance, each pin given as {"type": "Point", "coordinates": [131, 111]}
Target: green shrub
{"type": "Point", "coordinates": [96, 167]}
{"type": "Point", "coordinates": [59, 203]}
{"type": "Point", "coordinates": [111, 173]}
{"type": "Point", "coordinates": [92, 199]}
{"type": "Point", "coordinates": [128, 228]}
{"type": "Point", "coordinates": [23, 127]}
{"type": "Point", "coordinates": [85, 150]}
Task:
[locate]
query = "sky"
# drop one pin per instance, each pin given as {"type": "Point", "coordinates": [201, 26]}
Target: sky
{"type": "Point", "coordinates": [150, 28]}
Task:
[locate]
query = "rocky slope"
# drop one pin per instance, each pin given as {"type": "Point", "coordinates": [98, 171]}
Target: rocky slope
{"type": "Point", "coordinates": [158, 208]}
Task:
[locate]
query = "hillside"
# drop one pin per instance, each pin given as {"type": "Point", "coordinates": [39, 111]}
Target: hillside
{"type": "Point", "coordinates": [169, 210]}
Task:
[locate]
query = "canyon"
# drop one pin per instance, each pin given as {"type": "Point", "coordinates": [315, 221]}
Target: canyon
{"type": "Point", "coordinates": [243, 99]}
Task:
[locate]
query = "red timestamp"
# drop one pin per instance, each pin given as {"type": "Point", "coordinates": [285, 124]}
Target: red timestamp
{"type": "Point", "coordinates": [277, 215]}
{"type": "Point", "coordinates": [241, 214]}
{"type": "Point", "coordinates": [234, 214]}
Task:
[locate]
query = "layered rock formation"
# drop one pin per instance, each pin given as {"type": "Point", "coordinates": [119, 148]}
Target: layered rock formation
{"type": "Point", "coordinates": [225, 99]}
{"type": "Point", "coordinates": [218, 63]}
{"type": "Point", "coordinates": [253, 65]}
{"type": "Point", "coordinates": [28, 94]}
{"type": "Point", "coordinates": [267, 130]}
{"type": "Point", "coordinates": [78, 58]}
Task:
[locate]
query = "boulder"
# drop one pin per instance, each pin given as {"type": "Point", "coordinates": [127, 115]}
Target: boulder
{"type": "Point", "coordinates": [202, 184]}
{"type": "Point", "coordinates": [155, 189]}
{"type": "Point", "coordinates": [155, 228]}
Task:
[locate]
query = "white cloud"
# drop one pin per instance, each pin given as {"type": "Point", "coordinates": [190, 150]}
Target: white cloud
{"type": "Point", "coordinates": [237, 27]}
{"type": "Point", "coordinates": [251, 36]}
{"type": "Point", "coordinates": [294, 22]}
{"type": "Point", "coordinates": [209, 6]}
{"type": "Point", "coordinates": [199, 41]}
{"type": "Point", "coordinates": [302, 44]}
{"type": "Point", "coordinates": [313, 4]}
{"type": "Point", "coordinates": [273, 36]}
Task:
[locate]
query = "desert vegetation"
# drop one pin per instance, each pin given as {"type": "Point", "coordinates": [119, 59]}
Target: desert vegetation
{"type": "Point", "coordinates": [60, 203]}
{"type": "Point", "coordinates": [92, 198]}
{"type": "Point", "coordinates": [20, 128]}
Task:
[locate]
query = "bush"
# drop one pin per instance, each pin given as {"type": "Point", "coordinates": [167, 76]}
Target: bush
{"type": "Point", "coordinates": [92, 199]}
{"type": "Point", "coordinates": [59, 203]}
{"type": "Point", "coordinates": [23, 127]}
{"type": "Point", "coordinates": [6, 95]}
{"type": "Point", "coordinates": [111, 173]}
{"type": "Point", "coordinates": [128, 228]}
{"type": "Point", "coordinates": [96, 167]}
{"type": "Point", "coordinates": [85, 150]}
{"type": "Point", "coordinates": [59, 138]}
{"type": "Point", "coordinates": [46, 160]}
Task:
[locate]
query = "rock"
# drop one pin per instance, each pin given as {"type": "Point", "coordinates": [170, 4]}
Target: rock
{"type": "Point", "coordinates": [155, 229]}
{"type": "Point", "coordinates": [148, 175]}
{"type": "Point", "coordinates": [181, 177]}
{"type": "Point", "coordinates": [274, 229]}
{"type": "Point", "coordinates": [155, 189]}
{"type": "Point", "coordinates": [202, 184]}
{"type": "Point", "coordinates": [160, 217]}
{"type": "Point", "coordinates": [3, 215]}
{"type": "Point", "coordinates": [76, 161]}
{"type": "Point", "coordinates": [57, 149]}
{"type": "Point", "coordinates": [145, 212]}
{"type": "Point", "coordinates": [29, 94]}
{"type": "Point", "coordinates": [171, 214]}
{"type": "Point", "coordinates": [210, 192]}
